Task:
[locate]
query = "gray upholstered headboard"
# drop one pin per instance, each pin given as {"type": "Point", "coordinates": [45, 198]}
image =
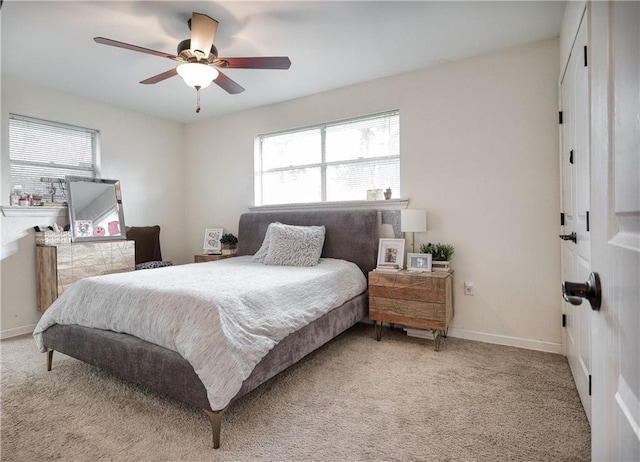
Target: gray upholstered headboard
{"type": "Point", "coordinates": [350, 234]}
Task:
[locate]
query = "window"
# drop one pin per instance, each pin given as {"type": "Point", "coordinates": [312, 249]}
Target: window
{"type": "Point", "coordinates": [39, 148]}
{"type": "Point", "coordinates": [336, 161]}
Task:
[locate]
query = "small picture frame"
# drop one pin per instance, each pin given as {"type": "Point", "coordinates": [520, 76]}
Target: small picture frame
{"type": "Point", "coordinates": [212, 241]}
{"type": "Point", "coordinates": [83, 228]}
{"type": "Point", "coordinates": [419, 262]}
{"type": "Point", "coordinates": [391, 253]}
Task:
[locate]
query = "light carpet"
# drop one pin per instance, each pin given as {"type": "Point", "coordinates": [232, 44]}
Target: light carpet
{"type": "Point", "coordinates": [353, 399]}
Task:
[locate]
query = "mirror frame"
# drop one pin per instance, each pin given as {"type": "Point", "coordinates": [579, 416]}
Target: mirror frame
{"type": "Point", "coordinates": [72, 214]}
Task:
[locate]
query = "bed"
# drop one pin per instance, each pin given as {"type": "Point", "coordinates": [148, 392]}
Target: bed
{"type": "Point", "coordinates": [350, 235]}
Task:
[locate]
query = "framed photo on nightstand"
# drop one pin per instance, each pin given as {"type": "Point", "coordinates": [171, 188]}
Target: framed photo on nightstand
{"type": "Point", "coordinates": [419, 262]}
{"type": "Point", "coordinates": [391, 253]}
{"type": "Point", "coordinates": [212, 241]}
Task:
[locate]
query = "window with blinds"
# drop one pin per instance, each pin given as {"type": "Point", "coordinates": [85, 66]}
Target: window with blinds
{"type": "Point", "coordinates": [337, 161]}
{"type": "Point", "coordinates": [40, 148]}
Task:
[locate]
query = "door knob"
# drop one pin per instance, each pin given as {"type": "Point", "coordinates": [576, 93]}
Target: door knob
{"type": "Point", "coordinates": [574, 292]}
{"type": "Point", "coordinates": [570, 237]}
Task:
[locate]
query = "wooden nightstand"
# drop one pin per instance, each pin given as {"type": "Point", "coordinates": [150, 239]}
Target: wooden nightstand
{"type": "Point", "coordinates": [203, 257]}
{"type": "Point", "coordinates": [422, 300]}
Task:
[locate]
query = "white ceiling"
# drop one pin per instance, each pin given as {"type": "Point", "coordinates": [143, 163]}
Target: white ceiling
{"type": "Point", "coordinates": [330, 44]}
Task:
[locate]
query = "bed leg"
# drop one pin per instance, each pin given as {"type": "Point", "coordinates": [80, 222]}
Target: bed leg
{"type": "Point", "coordinates": [49, 359]}
{"type": "Point", "coordinates": [215, 417]}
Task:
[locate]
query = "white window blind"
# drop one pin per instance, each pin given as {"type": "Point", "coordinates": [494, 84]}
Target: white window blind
{"type": "Point", "coordinates": [337, 161]}
{"type": "Point", "coordinates": [40, 148]}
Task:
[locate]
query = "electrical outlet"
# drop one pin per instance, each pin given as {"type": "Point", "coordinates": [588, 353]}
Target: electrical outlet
{"type": "Point", "coordinates": [468, 288]}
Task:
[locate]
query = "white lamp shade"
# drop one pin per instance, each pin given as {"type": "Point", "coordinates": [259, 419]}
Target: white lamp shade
{"type": "Point", "coordinates": [413, 221]}
{"type": "Point", "coordinates": [197, 75]}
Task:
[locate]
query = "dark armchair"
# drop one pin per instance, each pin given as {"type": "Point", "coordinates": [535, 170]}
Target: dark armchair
{"type": "Point", "coordinates": [147, 241]}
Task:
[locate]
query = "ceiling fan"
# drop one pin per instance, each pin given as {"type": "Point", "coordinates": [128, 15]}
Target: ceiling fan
{"type": "Point", "coordinates": [199, 59]}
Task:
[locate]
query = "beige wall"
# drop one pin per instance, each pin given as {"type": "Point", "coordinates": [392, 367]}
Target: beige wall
{"type": "Point", "coordinates": [143, 152]}
{"type": "Point", "coordinates": [479, 143]}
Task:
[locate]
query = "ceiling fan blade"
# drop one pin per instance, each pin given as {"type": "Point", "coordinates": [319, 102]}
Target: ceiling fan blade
{"type": "Point", "coordinates": [227, 84]}
{"type": "Point", "coordinates": [267, 62]}
{"type": "Point", "coordinates": [203, 32]}
{"type": "Point", "coordinates": [160, 77]}
{"type": "Point", "coordinates": [127, 46]}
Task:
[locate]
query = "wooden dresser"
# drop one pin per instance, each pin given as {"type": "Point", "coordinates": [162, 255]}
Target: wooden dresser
{"type": "Point", "coordinates": [422, 300]}
{"type": "Point", "coordinates": [59, 265]}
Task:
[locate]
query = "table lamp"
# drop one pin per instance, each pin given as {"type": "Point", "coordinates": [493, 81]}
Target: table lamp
{"type": "Point", "coordinates": [413, 221]}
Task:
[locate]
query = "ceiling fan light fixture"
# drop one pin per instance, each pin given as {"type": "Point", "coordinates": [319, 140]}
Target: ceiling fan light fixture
{"type": "Point", "coordinates": [197, 75]}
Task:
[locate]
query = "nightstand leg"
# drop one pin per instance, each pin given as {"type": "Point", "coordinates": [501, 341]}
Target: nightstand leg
{"type": "Point", "coordinates": [378, 329]}
{"type": "Point", "coordinates": [437, 339]}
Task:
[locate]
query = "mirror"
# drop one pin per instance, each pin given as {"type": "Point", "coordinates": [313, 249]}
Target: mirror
{"type": "Point", "coordinates": [95, 209]}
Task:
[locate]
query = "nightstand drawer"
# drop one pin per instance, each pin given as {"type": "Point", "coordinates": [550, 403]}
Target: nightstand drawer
{"type": "Point", "coordinates": [424, 293]}
{"type": "Point", "coordinates": [427, 287]}
{"type": "Point", "coordinates": [408, 312]}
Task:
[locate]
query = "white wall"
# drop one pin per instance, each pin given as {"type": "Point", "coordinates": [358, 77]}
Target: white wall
{"type": "Point", "coordinates": [144, 153]}
{"type": "Point", "coordinates": [479, 152]}
{"type": "Point", "coordinates": [479, 147]}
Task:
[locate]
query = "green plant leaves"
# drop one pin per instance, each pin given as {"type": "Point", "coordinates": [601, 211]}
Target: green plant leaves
{"type": "Point", "coordinates": [439, 252]}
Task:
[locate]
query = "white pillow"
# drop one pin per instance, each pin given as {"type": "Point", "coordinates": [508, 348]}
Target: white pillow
{"type": "Point", "coordinates": [260, 255]}
{"type": "Point", "coordinates": [294, 245]}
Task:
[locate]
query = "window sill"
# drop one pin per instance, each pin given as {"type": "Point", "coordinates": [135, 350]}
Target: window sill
{"type": "Point", "coordinates": [17, 211]}
{"type": "Point", "coordinates": [391, 204]}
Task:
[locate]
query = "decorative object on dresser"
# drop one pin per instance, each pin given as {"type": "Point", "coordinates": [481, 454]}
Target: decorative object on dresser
{"type": "Point", "coordinates": [148, 252]}
{"type": "Point", "coordinates": [413, 221]}
{"type": "Point", "coordinates": [53, 237]}
{"type": "Point", "coordinates": [419, 262]}
{"type": "Point", "coordinates": [205, 257]}
{"type": "Point", "coordinates": [420, 300]}
{"type": "Point", "coordinates": [59, 265]}
{"type": "Point", "coordinates": [95, 209]}
{"type": "Point", "coordinates": [229, 244]}
{"type": "Point", "coordinates": [212, 243]}
{"type": "Point", "coordinates": [441, 255]}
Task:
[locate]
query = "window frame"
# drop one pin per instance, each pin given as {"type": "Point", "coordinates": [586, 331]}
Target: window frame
{"type": "Point", "coordinates": [93, 172]}
{"type": "Point", "coordinates": [323, 164]}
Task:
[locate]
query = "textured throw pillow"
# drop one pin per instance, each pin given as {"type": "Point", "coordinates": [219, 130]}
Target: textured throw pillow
{"type": "Point", "coordinates": [295, 245]}
{"type": "Point", "coordinates": [260, 255]}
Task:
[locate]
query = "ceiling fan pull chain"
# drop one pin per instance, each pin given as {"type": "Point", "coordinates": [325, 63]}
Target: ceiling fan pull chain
{"type": "Point", "coordinates": [197, 99]}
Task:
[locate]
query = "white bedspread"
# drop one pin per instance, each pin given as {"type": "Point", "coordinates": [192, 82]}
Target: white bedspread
{"type": "Point", "coordinates": [223, 317]}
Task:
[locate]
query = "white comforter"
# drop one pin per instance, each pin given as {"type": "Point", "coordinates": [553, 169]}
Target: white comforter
{"type": "Point", "coordinates": [223, 317]}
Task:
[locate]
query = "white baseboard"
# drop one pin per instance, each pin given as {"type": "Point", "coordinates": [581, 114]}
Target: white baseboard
{"type": "Point", "coordinates": [549, 347]}
{"type": "Point", "coordinates": [8, 333]}
{"type": "Point", "coordinates": [527, 344]}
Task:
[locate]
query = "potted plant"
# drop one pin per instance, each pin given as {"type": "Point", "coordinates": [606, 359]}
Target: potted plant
{"type": "Point", "coordinates": [440, 254]}
{"type": "Point", "coordinates": [229, 243]}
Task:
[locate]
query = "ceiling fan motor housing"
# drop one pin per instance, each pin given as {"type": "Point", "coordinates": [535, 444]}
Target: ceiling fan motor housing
{"type": "Point", "coordinates": [185, 53]}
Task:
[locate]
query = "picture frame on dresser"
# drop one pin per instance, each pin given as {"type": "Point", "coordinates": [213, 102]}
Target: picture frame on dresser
{"type": "Point", "coordinates": [391, 253]}
{"type": "Point", "coordinates": [419, 262]}
{"type": "Point", "coordinates": [212, 243]}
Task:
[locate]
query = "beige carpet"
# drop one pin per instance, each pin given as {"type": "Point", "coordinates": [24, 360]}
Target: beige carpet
{"type": "Point", "coordinates": [354, 399]}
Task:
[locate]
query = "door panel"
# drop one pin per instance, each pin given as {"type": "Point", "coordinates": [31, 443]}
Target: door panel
{"type": "Point", "coordinates": [576, 257]}
{"type": "Point", "coordinates": [615, 193]}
